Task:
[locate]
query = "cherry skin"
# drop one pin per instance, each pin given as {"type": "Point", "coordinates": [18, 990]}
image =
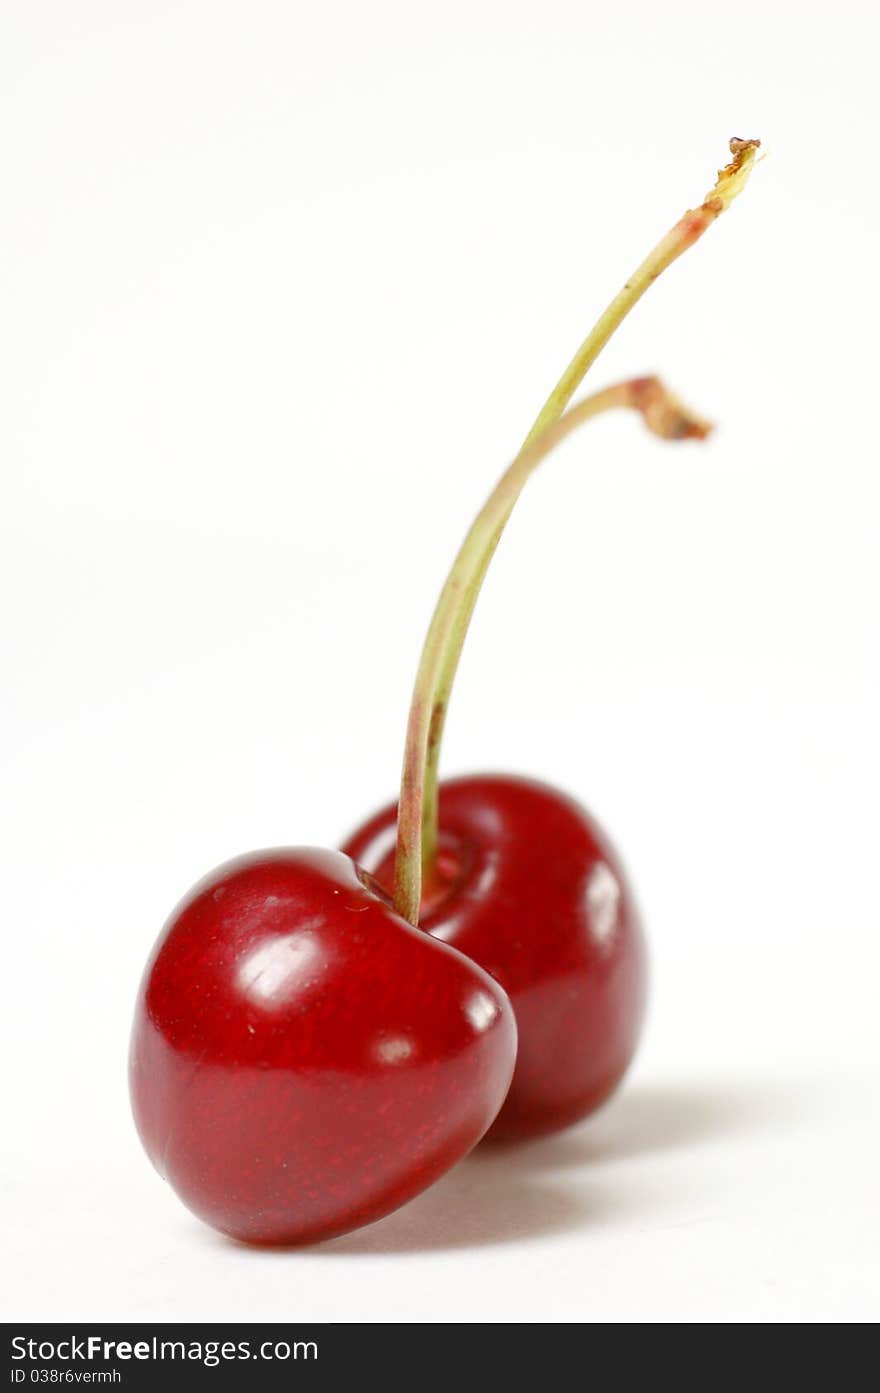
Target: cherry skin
{"type": "Point", "coordinates": [303, 1060]}
{"type": "Point", "coordinates": [530, 887]}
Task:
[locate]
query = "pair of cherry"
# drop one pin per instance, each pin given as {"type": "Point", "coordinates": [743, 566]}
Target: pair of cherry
{"type": "Point", "coordinates": [305, 1056]}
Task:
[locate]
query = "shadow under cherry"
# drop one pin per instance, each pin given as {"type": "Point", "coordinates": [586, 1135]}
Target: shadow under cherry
{"type": "Point", "coordinates": [570, 1181]}
{"type": "Point", "coordinates": [506, 1194]}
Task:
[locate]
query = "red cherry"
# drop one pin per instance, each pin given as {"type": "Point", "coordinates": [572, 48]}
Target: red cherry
{"type": "Point", "coordinates": [303, 1060]}
{"type": "Point", "coordinates": [530, 888]}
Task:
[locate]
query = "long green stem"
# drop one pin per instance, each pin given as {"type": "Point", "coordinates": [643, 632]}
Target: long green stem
{"type": "Point", "coordinates": [666, 417]}
{"type": "Point", "coordinates": [418, 806]}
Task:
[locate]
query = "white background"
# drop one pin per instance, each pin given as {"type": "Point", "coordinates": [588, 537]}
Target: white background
{"type": "Point", "coordinates": [284, 285]}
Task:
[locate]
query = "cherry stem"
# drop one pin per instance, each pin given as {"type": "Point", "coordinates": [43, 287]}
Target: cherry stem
{"type": "Point", "coordinates": [417, 825]}
{"type": "Point", "coordinates": [666, 417]}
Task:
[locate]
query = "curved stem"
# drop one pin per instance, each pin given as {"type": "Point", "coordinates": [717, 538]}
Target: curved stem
{"type": "Point", "coordinates": [665, 416]}
{"type": "Point", "coordinates": [417, 817]}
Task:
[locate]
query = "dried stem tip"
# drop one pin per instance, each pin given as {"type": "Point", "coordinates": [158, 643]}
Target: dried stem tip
{"type": "Point", "coordinates": [733, 177]}
{"type": "Point", "coordinates": [663, 413]}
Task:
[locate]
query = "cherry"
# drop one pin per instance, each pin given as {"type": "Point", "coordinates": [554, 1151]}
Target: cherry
{"type": "Point", "coordinates": [305, 1057]}
{"type": "Point", "coordinates": [511, 872]}
{"type": "Point", "coordinates": [529, 886]}
{"type": "Point", "coordinates": [303, 1060]}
